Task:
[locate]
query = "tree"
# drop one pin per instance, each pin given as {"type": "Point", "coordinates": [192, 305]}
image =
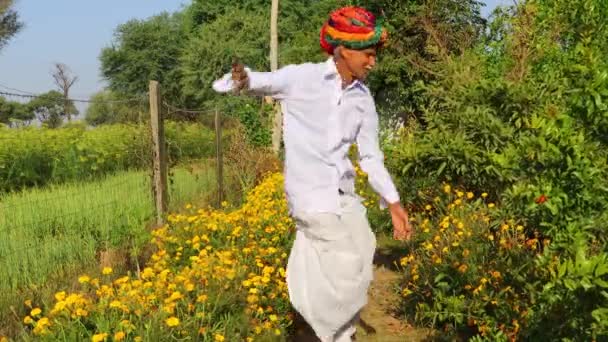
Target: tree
{"type": "Point", "coordinates": [421, 34]}
{"type": "Point", "coordinates": [13, 113]}
{"type": "Point", "coordinates": [49, 108]}
{"type": "Point", "coordinates": [9, 22]}
{"type": "Point", "coordinates": [145, 50]}
{"type": "Point", "coordinates": [107, 108]}
{"type": "Point", "coordinates": [64, 81]}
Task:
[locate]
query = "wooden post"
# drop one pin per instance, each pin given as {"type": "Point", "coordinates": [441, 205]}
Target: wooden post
{"type": "Point", "coordinates": [274, 36]}
{"type": "Point", "coordinates": [277, 120]}
{"type": "Point", "coordinates": [159, 153]}
{"type": "Point", "coordinates": [218, 154]}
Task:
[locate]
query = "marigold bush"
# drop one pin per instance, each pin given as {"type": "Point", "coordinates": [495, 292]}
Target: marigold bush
{"type": "Point", "coordinates": [216, 275]}
{"type": "Point", "coordinates": [470, 270]}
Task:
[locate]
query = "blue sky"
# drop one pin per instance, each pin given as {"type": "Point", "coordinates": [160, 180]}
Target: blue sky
{"type": "Point", "coordinates": [74, 32]}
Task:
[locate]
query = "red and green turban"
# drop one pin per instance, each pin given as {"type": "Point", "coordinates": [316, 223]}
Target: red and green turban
{"type": "Point", "coordinates": [352, 27]}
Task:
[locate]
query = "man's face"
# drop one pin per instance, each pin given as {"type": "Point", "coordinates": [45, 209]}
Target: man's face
{"type": "Point", "coordinates": [360, 62]}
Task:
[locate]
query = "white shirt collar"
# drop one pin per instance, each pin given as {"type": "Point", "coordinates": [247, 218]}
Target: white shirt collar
{"type": "Point", "coordinates": [332, 71]}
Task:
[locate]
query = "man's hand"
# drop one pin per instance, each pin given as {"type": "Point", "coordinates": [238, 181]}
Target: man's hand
{"type": "Point", "coordinates": [402, 230]}
{"type": "Point", "coordinates": [239, 77]}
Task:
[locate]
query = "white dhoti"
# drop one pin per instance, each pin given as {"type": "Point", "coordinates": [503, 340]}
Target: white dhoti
{"type": "Point", "coordinates": [330, 268]}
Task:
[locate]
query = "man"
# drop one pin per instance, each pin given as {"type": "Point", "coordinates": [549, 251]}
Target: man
{"type": "Point", "coordinates": [326, 109]}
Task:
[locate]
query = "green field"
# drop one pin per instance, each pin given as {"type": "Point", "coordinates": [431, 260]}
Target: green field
{"type": "Point", "coordinates": [62, 229]}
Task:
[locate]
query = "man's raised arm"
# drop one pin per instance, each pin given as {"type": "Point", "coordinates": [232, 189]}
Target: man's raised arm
{"type": "Point", "coordinates": [275, 84]}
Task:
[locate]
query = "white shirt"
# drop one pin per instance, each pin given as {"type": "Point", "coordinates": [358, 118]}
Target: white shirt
{"type": "Point", "coordinates": [320, 123]}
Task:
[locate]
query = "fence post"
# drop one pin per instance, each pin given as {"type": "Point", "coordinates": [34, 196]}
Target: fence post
{"type": "Point", "coordinates": [218, 155]}
{"type": "Point", "coordinates": [159, 153]}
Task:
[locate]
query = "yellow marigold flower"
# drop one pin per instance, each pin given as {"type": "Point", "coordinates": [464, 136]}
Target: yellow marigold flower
{"type": "Point", "coordinates": [119, 336]}
{"type": "Point", "coordinates": [28, 303]}
{"type": "Point", "coordinates": [490, 237]}
{"type": "Point", "coordinates": [463, 268]}
{"type": "Point", "coordinates": [277, 332]}
{"type": "Point", "coordinates": [273, 318]}
{"type": "Point", "coordinates": [81, 312]}
{"type": "Point", "coordinates": [484, 195]}
{"type": "Point", "coordinates": [84, 279]}
{"type": "Point", "coordinates": [470, 195]}
{"type": "Point", "coordinates": [35, 312]}
{"type": "Point", "coordinates": [428, 207]}
{"type": "Point", "coordinates": [28, 320]}
{"type": "Point", "coordinates": [106, 270]}
{"type": "Point", "coordinates": [491, 205]}
{"type": "Point", "coordinates": [459, 194]}
{"type": "Point", "coordinates": [219, 338]}
{"type": "Point", "coordinates": [175, 296]}
{"type": "Point", "coordinates": [172, 322]}
{"type": "Point", "coordinates": [447, 189]}
{"type": "Point", "coordinates": [115, 304]}
{"type": "Point", "coordinates": [99, 337]}
{"type": "Point", "coordinates": [59, 296]}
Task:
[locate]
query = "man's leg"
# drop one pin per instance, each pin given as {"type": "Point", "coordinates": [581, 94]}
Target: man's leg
{"type": "Point", "coordinates": [325, 274]}
{"type": "Point", "coordinates": [348, 331]}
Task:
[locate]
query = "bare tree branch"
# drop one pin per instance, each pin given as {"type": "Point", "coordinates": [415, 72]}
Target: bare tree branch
{"type": "Point", "coordinates": [64, 80]}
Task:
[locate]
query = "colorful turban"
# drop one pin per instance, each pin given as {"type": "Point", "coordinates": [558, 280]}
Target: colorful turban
{"type": "Point", "coordinates": [352, 27]}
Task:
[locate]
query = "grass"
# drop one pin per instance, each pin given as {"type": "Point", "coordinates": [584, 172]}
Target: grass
{"type": "Point", "coordinates": [53, 231]}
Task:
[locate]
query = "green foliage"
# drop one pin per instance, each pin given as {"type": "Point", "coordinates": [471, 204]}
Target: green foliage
{"type": "Point", "coordinates": [577, 289]}
{"type": "Point", "coordinates": [204, 61]}
{"type": "Point", "coordinates": [50, 235]}
{"type": "Point", "coordinates": [470, 271]}
{"type": "Point", "coordinates": [9, 22]}
{"type": "Point", "coordinates": [49, 108]}
{"type": "Point", "coordinates": [421, 33]}
{"type": "Point", "coordinates": [35, 157]}
{"type": "Point", "coordinates": [13, 113]}
{"type": "Point", "coordinates": [521, 116]}
{"type": "Point", "coordinates": [108, 107]}
{"type": "Point", "coordinates": [145, 50]}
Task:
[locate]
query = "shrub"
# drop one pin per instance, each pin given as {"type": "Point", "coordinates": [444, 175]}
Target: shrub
{"type": "Point", "coordinates": [38, 156]}
{"type": "Point", "coordinates": [215, 275]}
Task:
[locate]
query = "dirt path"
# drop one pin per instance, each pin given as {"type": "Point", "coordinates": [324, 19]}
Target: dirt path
{"type": "Point", "coordinates": [380, 313]}
{"type": "Point", "coordinates": [379, 319]}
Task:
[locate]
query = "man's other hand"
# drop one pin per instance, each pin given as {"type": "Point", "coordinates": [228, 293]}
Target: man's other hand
{"type": "Point", "coordinates": [402, 230]}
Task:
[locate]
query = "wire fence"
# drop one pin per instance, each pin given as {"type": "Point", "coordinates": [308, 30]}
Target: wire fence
{"type": "Point", "coordinates": [68, 195]}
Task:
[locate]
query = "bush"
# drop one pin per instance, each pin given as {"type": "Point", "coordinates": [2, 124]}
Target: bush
{"type": "Point", "coordinates": [469, 271]}
{"type": "Point", "coordinates": [215, 275]}
{"type": "Point", "coordinates": [38, 156]}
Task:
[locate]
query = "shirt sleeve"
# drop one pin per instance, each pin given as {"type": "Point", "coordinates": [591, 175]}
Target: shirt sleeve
{"type": "Point", "coordinates": [371, 159]}
{"type": "Point", "coordinates": [275, 84]}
